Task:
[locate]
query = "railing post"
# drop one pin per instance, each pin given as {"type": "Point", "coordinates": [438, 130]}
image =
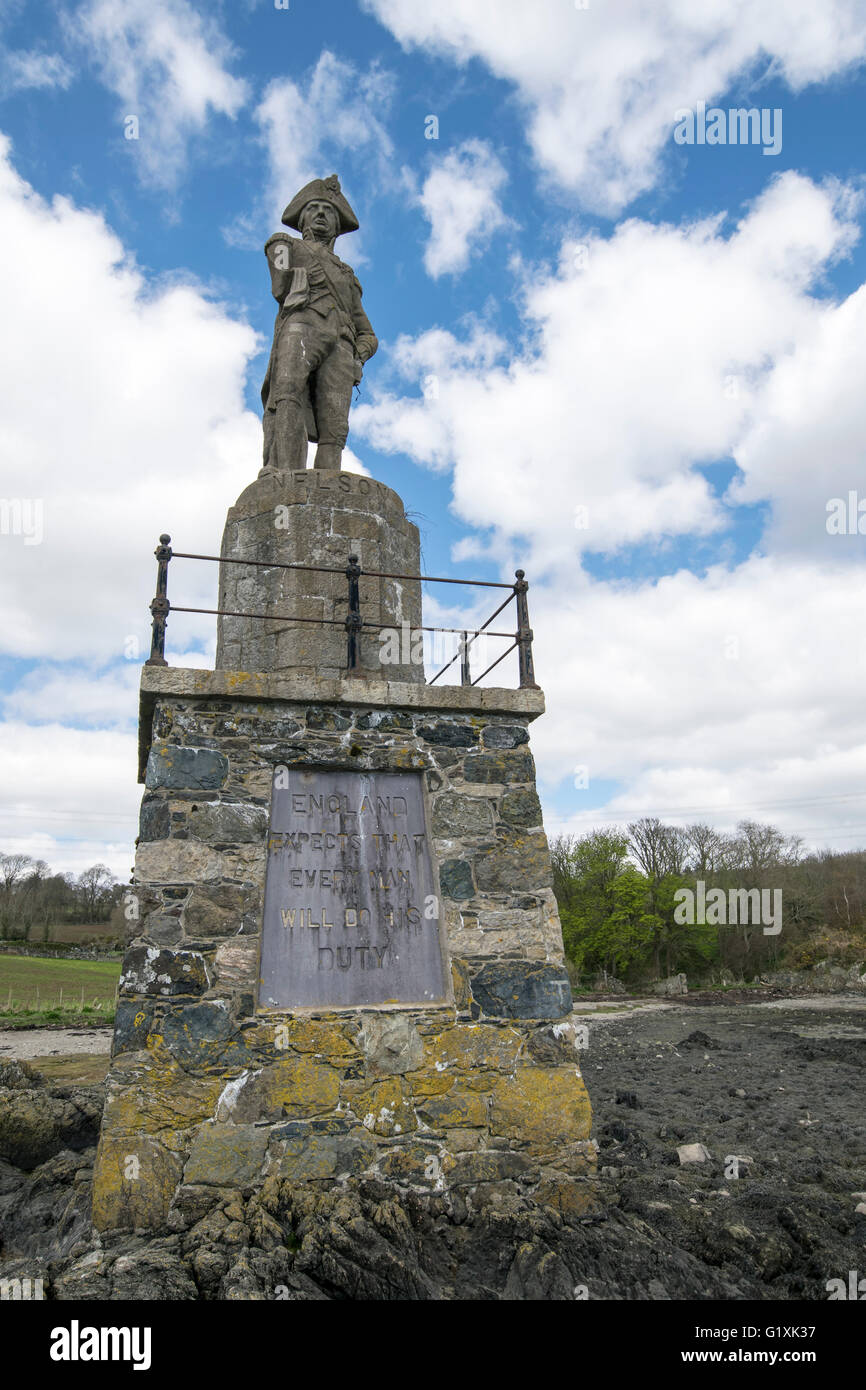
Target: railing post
{"type": "Point", "coordinates": [465, 673]}
{"type": "Point", "coordinates": [353, 617]}
{"type": "Point", "coordinates": [160, 606]}
{"type": "Point", "coordinates": [524, 634]}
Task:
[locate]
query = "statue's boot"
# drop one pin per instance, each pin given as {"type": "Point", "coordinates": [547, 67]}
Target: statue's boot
{"type": "Point", "coordinates": [328, 456]}
{"type": "Point", "coordinates": [285, 437]}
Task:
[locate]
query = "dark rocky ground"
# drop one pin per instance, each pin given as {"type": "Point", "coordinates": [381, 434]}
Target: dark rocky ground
{"type": "Point", "coordinates": [782, 1085]}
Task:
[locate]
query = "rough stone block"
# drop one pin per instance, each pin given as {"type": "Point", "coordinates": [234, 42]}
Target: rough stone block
{"type": "Point", "coordinates": [222, 909]}
{"type": "Point", "coordinates": [151, 970]}
{"type": "Point", "coordinates": [317, 1156]}
{"type": "Point", "coordinates": [546, 1108]}
{"type": "Point", "coordinates": [159, 1099]}
{"type": "Point", "coordinates": [382, 1108]}
{"type": "Point", "coordinates": [415, 1165]}
{"type": "Point", "coordinates": [226, 1155]}
{"type": "Point", "coordinates": [236, 961]}
{"type": "Point", "coordinates": [520, 863]}
{"type": "Point", "coordinates": [489, 1165]}
{"type": "Point", "coordinates": [226, 822]}
{"type": "Point", "coordinates": [176, 767]}
{"type": "Point", "coordinates": [295, 1087]}
{"type": "Point", "coordinates": [521, 807]}
{"type": "Point", "coordinates": [199, 1035]}
{"type": "Point", "coordinates": [449, 733]}
{"type": "Point", "coordinates": [475, 1046]}
{"type": "Point", "coordinates": [455, 816]}
{"type": "Point", "coordinates": [522, 989]}
{"type": "Point", "coordinates": [154, 821]}
{"type": "Point", "coordinates": [160, 929]}
{"type": "Point", "coordinates": [391, 1043]}
{"type": "Point", "coordinates": [457, 1109]}
{"type": "Point", "coordinates": [134, 1181]}
{"type": "Point", "coordinates": [132, 1023]}
{"type": "Point", "coordinates": [327, 719]}
{"type": "Point", "coordinates": [455, 879]}
{"type": "Point", "coordinates": [385, 721]}
{"type": "Point", "coordinates": [505, 735]}
{"type": "Point", "coordinates": [505, 767]}
{"type": "Point", "coordinates": [325, 1037]}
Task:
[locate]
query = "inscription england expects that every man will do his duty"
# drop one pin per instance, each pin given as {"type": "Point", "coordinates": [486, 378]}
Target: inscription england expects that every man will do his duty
{"type": "Point", "coordinates": [351, 910]}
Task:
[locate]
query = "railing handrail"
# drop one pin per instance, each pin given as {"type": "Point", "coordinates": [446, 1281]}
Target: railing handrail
{"type": "Point", "coordinates": [336, 569]}
{"type": "Point", "coordinates": [354, 623]}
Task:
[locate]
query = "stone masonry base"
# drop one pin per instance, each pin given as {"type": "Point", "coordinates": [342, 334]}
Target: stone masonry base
{"type": "Point", "coordinates": [206, 1091]}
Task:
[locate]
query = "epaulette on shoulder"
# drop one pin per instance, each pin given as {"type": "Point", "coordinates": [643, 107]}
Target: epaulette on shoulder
{"type": "Point", "coordinates": [278, 236]}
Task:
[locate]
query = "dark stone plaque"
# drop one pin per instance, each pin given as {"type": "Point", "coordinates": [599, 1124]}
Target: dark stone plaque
{"type": "Point", "coordinates": [351, 913]}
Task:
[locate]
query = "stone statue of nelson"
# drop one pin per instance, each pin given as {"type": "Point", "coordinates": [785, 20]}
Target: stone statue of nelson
{"type": "Point", "coordinates": [322, 337]}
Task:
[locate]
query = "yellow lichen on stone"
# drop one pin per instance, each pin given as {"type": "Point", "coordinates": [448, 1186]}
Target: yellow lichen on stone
{"type": "Point", "coordinates": [471, 1045]}
{"type": "Point", "coordinates": [134, 1181]}
{"type": "Point", "coordinates": [325, 1037]}
{"type": "Point", "coordinates": [542, 1106]}
{"type": "Point", "coordinates": [294, 1087]}
{"type": "Point", "coordinates": [381, 1108]}
{"type": "Point", "coordinates": [431, 1083]}
{"type": "Point", "coordinates": [457, 1109]}
{"type": "Point", "coordinates": [163, 1098]}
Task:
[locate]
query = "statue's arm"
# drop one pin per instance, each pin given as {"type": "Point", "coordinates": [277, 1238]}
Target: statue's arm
{"type": "Point", "coordinates": [366, 341]}
{"type": "Point", "coordinates": [278, 250]}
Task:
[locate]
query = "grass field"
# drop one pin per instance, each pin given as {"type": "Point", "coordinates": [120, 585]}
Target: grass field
{"type": "Point", "coordinates": [35, 991]}
{"type": "Point", "coordinates": [76, 933]}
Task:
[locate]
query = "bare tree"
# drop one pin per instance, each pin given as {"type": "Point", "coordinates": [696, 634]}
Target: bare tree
{"type": "Point", "coordinates": [706, 848]}
{"type": "Point", "coordinates": [94, 885]}
{"type": "Point", "coordinates": [14, 868]}
{"type": "Point", "coordinates": [14, 871]}
{"type": "Point", "coordinates": [762, 847]}
{"type": "Point", "coordinates": [658, 848]}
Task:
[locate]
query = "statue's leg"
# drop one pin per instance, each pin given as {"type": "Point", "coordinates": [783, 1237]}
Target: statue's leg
{"type": "Point", "coordinates": [298, 355]}
{"type": "Point", "coordinates": [333, 396]}
{"type": "Point", "coordinates": [268, 420]}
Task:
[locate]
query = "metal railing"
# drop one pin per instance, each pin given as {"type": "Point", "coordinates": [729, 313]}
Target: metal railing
{"type": "Point", "coordinates": [353, 623]}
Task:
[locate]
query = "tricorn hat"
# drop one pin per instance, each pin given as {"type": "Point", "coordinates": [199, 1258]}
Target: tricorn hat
{"type": "Point", "coordinates": [324, 190]}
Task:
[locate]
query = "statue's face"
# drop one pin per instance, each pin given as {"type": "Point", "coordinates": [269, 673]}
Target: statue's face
{"type": "Point", "coordinates": [319, 221]}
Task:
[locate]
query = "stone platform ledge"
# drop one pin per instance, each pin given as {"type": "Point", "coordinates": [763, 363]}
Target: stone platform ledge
{"type": "Point", "coordinates": [187, 682]}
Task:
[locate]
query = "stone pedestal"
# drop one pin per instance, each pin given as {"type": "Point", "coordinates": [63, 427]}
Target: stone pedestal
{"type": "Point", "coordinates": [345, 959]}
{"type": "Point", "coordinates": [315, 518]}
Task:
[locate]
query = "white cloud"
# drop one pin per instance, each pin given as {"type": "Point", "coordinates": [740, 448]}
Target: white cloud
{"type": "Point", "coordinates": [168, 64]}
{"type": "Point", "coordinates": [105, 699]}
{"type": "Point", "coordinates": [23, 69]}
{"type": "Point", "coordinates": [307, 129]}
{"type": "Point", "coordinates": [738, 695]}
{"type": "Point", "coordinates": [625, 384]}
{"type": "Point", "coordinates": [460, 201]}
{"type": "Point", "coordinates": [806, 443]}
{"type": "Point", "coordinates": [651, 351]}
{"type": "Point", "coordinates": [122, 411]}
{"type": "Point", "coordinates": [70, 796]}
{"type": "Point", "coordinates": [601, 85]}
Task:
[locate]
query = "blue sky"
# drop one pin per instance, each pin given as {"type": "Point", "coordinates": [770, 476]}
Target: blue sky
{"type": "Point", "coordinates": [668, 340]}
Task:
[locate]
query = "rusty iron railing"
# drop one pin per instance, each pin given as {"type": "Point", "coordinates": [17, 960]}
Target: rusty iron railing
{"type": "Point", "coordinates": [354, 623]}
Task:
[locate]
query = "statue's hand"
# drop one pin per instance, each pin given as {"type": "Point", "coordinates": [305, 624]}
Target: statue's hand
{"type": "Point", "coordinates": [359, 370]}
{"type": "Point", "coordinates": [299, 291]}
